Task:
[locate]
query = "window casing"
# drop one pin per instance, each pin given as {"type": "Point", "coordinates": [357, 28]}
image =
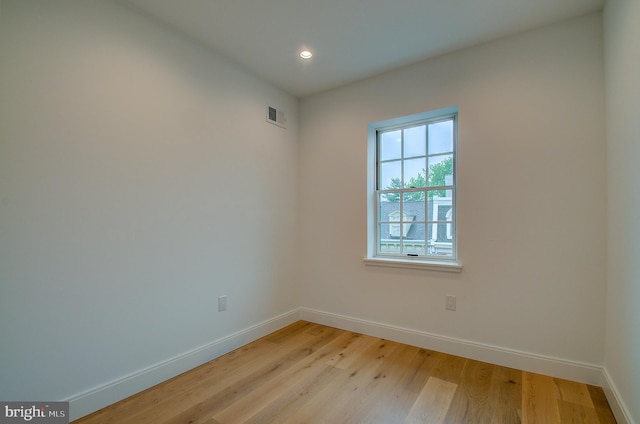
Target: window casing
{"type": "Point", "coordinates": [412, 190]}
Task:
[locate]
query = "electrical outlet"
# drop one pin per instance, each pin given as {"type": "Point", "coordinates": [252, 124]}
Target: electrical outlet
{"type": "Point", "coordinates": [451, 303]}
{"type": "Point", "coordinates": [222, 303]}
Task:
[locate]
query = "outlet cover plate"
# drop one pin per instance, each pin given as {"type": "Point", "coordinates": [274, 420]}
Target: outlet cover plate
{"type": "Point", "coordinates": [451, 303]}
{"type": "Point", "coordinates": [222, 303]}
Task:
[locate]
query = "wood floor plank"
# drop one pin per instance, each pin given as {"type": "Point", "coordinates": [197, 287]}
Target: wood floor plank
{"type": "Point", "coordinates": [400, 386]}
{"type": "Point", "coordinates": [311, 373]}
{"type": "Point", "coordinates": [506, 395]}
{"type": "Point", "coordinates": [603, 410]}
{"type": "Point", "coordinates": [433, 403]}
{"type": "Point", "coordinates": [385, 393]}
{"type": "Point", "coordinates": [272, 368]}
{"type": "Point", "coordinates": [471, 401]}
{"type": "Point", "coordinates": [198, 400]}
{"type": "Point", "coordinates": [576, 413]}
{"type": "Point", "coordinates": [421, 369]}
{"type": "Point", "coordinates": [371, 381]}
{"type": "Point", "coordinates": [287, 403]}
{"type": "Point", "coordinates": [539, 400]}
{"type": "Point", "coordinates": [394, 406]}
{"type": "Point", "coordinates": [351, 352]}
{"type": "Point", "coordinates": [449, 368]}
{"type": "Point", "coordinates": [307, 369]}
{"type": "Point", "coordinates": [573, 392]}
{"type": "Point", "coordinates": [336, 371]}
{"type": "Point", "coordinates": [338, 402]}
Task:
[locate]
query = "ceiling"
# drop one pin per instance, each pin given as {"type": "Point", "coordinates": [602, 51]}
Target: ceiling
{"type": "Point", "coordinates": [350, 39]}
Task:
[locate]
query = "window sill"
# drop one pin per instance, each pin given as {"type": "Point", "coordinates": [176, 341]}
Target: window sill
{"type": "Point", "coordinates": [414, 264]}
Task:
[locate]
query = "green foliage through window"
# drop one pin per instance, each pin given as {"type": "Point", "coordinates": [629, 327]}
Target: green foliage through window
{"type": "Point", "coordinates": [437, 178]}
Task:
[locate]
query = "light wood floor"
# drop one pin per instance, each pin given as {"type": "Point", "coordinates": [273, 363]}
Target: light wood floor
{"type": "Point", "coordinates": [309, 373]}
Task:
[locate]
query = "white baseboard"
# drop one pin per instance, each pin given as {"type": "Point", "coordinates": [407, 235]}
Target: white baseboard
{"type": "Point", "coordinates": [616, 403]}
{"type": "Point", "coordinates": [92, 400]}
{"type": "Point", "coordinates": [540, 364]}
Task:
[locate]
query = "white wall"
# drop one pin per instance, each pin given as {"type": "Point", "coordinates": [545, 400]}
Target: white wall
{"type": "Point", "coordinates": [139, 181]}
{"type": "Point", "coordinates": [622, 54]}
{"type": "Point", "coordinates": [531, 195]}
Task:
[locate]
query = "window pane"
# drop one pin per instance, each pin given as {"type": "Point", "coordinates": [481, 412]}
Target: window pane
{"type": "Point", "coordinates": [414, 204]}
{"type": "Point", "coordinates": [440, 235]}
{"type": "Point", "coordinates": [439, 205]}
{"type": "Point", "coordinates": [389, 202]}
{"type": "Point", "coordinates": [444, 249]}
{"type": "Point", "coordinates": [390, 144]}
{"type": "Point", "coordinates": [444, 210]}
{"type": "Point", "coordinates": [441, 137]}
{"type": "Point", "coordinates": [390, 175]}
{"type": "Point", "coordinates": [387, 243]}
{"type": "Point", "coordinates": [415, 143]}
{"type": "Point", "coordinates": [449, 230]}
{"type": "Point", "coordinates": [414, 173]}
{"type": "Point", "coordinates": [400, 224]}
{"type": "Point", "coordinates": [413, 242]}
{"type": "Point", "coordinates": [440, 170]}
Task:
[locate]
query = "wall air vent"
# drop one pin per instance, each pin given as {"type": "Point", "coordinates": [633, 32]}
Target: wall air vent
{"type": "Point", "coordinates": [276, 117]}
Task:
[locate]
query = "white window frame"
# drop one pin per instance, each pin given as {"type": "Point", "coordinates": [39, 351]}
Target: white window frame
{"type": "Point", "coordinates": [423, 261]}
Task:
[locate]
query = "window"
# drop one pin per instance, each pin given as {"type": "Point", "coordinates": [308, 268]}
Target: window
{"type": "Point", "coordinates": [412, 191]}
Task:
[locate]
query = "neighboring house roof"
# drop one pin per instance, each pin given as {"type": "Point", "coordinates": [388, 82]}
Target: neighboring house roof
{"type": "Point", "coordinates": [416, 230]}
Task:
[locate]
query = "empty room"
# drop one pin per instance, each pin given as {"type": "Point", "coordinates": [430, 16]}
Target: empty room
{"type": "Point", "coordinates": [320, 211]}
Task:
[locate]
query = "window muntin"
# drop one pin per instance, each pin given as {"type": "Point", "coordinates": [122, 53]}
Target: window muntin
{"type": "Point", "coordinates": [415, 177]}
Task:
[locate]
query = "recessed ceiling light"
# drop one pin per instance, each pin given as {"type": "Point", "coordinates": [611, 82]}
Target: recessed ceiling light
{"type": "Point", "coordinates": [306, 54]}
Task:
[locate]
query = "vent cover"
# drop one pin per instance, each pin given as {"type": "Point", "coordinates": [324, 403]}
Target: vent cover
{"type": "Point", "coordinates": [276, 117]}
